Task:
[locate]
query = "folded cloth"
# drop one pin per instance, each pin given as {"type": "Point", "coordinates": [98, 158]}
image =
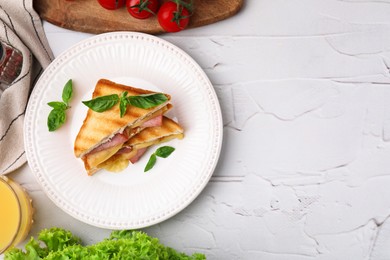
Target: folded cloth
{"type": "Point", "coordinates": [22, 29]}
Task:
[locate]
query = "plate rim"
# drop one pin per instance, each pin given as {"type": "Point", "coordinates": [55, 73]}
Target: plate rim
{"type": "Point", "coordinates": [28, 135]}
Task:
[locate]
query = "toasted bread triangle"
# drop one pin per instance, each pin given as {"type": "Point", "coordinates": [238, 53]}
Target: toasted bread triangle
{"type": "Point", "coordinates": [98, 128]}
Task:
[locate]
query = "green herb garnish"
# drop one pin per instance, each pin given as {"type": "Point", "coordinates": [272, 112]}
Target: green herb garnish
{"type": "Point", "coordinates": [162, 152]}
{"type": "Point", "coordinates": [67, 92]}
{"type": "Point", "coordinates": [58, 105]}
{"type": "Point", "coordinates": [151, 162]}
{"type": "Point", "coordinates": [147, 101]}
{"type": "Point", "coordinates": [123, 104]}
{"type": "Point", "coordinates": [103, 103]}
{"type": "Point", "coordinates": [57, 116]}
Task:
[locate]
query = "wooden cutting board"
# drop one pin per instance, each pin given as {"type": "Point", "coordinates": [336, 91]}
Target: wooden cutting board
{"type": "Point", "coordinates": [88, 16]}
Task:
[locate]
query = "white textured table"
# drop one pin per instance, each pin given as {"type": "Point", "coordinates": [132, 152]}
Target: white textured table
{"type": "Point", "coordinates": [304, 172]}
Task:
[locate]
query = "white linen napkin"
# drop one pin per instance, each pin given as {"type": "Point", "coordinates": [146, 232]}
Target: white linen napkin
{"type": "Point", "coordinates": [22, 29]}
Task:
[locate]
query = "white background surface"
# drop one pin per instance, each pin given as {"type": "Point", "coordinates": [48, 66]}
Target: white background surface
{"type": "Point", "coordinates": [305, 164]}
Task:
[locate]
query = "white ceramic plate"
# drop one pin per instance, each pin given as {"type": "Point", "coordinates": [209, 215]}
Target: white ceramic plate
{"type": "Point", "coordinates": [132, 198]}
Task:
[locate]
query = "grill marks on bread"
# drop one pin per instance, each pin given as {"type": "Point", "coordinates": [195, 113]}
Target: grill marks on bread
{"type": "Point", "coordinates": [100, 127]}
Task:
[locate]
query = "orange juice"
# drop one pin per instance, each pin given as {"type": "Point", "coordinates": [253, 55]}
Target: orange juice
{"type": "Point", "coordinates": [15, 213]}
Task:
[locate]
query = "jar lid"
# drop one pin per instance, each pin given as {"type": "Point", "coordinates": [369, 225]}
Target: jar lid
{"type": "Point", "coordinates": [10, 215]}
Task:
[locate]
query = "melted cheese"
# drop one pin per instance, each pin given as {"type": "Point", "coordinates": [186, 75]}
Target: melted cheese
{"type": "Point", "coordinates": [94, 159]}
{"type": "Point", "coordinates": [117, 165]}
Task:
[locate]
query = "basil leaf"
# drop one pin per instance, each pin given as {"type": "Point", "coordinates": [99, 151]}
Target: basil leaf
{"type": "Point", "coordinates": [103, 103]}
{"type": "Point", "coordinates": [56, 119]}
{"type": "Point", "coordinates": [67, 92]}
{"type": "Point", "coordinates": [123, 104]}
{"type": "Point", "coordinates": [151, 162]}
{"type": "Point", "coordinates": [58, 105]}
{"type": "Point", "coordinates": [147, 100]}
{"type": "Point", "coordinates": [164, 151]}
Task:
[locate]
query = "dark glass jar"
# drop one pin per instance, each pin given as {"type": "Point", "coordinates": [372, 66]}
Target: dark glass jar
{"type": "Point", "coordinates": [11, 61]}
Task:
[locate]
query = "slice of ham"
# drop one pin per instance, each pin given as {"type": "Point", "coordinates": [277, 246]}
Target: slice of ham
{"type": "Point", "coordinates": [139, 154]}
{"type": "Point", "coordinates": [117, 139]}
{"type": "Point", "coordinates": [125, 149]}
{"type": "Point", "coordinates": [155, 121]}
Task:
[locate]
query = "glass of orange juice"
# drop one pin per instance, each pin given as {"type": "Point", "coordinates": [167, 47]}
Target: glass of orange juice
{"type": "Point", "coordinates": [15, 213]}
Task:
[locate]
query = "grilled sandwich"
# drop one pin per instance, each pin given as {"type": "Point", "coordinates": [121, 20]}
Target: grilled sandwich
{"type": "Point", "coordinates": [103, 134]}
{"type": "Point", "coordinates": [136, 146]}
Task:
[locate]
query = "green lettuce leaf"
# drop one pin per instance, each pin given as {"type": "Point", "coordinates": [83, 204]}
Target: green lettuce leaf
{"type": "Point", "coordinates": [15, 254]}
{"type": "Point", "coordinates": [56, 239]}
{"type": "Point", "coordinates": [60, 244]}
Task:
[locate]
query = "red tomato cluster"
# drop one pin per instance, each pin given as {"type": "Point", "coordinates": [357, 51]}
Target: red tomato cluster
{"type": "Point", "coordinates": [173, 16]}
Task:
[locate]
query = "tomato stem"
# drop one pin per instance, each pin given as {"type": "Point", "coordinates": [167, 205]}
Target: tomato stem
{"type": "Point", "coordinates": [143, 6]}
{"type": "Point", "coordinates": [177, 16]}
{"type": "Point", "coordinates": [188, 5]}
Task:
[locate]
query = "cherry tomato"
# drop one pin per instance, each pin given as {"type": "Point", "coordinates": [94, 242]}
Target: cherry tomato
{"type": "Point", "coordinates": [112, 4]}
{"type": "Point", "coordinates": [173, 17]}
{"type": "Point", "coordinates": [142, 9]}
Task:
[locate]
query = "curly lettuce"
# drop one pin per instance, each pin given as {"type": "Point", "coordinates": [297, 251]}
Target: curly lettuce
{"type": "Point", "coordinates": [60, 244]}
